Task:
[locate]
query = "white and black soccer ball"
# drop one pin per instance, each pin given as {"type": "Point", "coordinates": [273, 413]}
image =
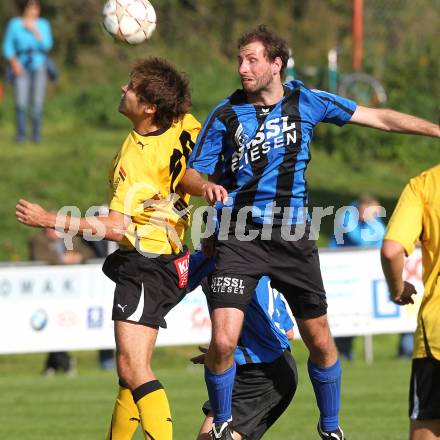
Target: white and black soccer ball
{"type": "Point", "coordinates": [132, 21]}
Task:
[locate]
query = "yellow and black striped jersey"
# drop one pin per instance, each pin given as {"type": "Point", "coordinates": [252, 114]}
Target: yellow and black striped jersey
{"type": "Point", "coordinates": [143, 185]}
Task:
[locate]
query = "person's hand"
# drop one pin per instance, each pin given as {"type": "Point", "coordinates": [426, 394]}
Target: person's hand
{"type": "Point", "coordinates": [72, 257]}
{"type": "Point", "coordinates": [31, 214]}
{"type": "Point", "coordinates": [214, 193]}
{"type": "Point", "coordinates": [200, 359]}
{"type": "Point", "coordinates": [17, 68]}
{"type": "Point", "coordinates": [208, 246]}
{"type": "Point", "coordinates": [31, 26]}
{"type": "Point", "coordinates": [405, 297]}
{"type": "Point", "coordinates": [438, 123]}
{"type": "Point", "coordinates": [290, 334]}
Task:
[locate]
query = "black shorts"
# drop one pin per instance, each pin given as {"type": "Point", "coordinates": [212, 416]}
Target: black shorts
{"type": "Point", "coordinates": [146, 288]}
{"type": "Point", "coordinates": [262, 392]}
{"type": "Point", "coordinates": [292, 265]}
{"type": "Point", "coordinates": [424, 389]}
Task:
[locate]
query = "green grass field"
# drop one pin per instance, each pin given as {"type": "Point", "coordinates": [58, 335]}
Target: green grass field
{"type": "Point", "coordinates": [374, 397]}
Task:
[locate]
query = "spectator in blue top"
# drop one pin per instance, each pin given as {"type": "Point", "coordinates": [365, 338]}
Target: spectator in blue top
{"type": "Point", "coordinates": [27, 41]}
{"type": "Point", "coordinates": [359, 226]}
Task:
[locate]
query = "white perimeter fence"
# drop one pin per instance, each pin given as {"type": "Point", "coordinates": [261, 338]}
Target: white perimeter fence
{"type": "Point", "coordinates": [51, 308]}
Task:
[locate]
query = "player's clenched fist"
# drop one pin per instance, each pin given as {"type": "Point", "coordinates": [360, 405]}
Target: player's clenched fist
{"type": "Point", "coordinates": [214, 193]}
{"type": "Point", "coordinates": [406, 296]}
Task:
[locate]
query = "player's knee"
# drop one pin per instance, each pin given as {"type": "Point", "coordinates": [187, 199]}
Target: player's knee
{"type": "Point", "coordinates": [126, 378]}
{"type": "Point", "coordinates": [133, 370]}
{"type": "Point", "coordinates": [223, 347]}
{"type": "Point", "coordinates": [322, 344]}
{"type": "Point", "coordinates": [132, 378]}
{"type": "Point", "coordinates": [315, 333]}
{"type": "Point", "coordinates": [126, 369]}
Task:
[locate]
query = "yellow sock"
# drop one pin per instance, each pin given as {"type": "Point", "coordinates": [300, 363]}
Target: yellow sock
{"type": "Point", "coordinates": [125, 418]}
{"type": "Point", "coordinates": [154, 411]}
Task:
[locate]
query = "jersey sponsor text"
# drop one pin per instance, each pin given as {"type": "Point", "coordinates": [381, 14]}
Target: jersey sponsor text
{"type": "Point", "coordinates": [275, 133]}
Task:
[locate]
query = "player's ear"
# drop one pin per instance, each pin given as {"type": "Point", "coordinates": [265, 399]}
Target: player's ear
{"type": "Point", "coordinates": [150, 109]}
{"type": "Point", "coordinates": [277, 64]}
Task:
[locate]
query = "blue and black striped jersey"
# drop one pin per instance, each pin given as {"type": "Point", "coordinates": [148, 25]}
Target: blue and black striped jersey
{"type": "Point", "coordinates": [263, 152]}
{"type": "Point", "coordinates": [263, 337]}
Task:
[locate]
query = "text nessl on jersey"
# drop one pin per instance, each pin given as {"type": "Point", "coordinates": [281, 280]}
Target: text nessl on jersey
{"type": "Point", "coordinates": [274, 133]}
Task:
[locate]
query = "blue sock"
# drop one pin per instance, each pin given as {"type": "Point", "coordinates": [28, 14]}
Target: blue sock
{"type": "Point", "coordinates": [327, 385]}
{"type": "Point", "coordinates": [220, 393]}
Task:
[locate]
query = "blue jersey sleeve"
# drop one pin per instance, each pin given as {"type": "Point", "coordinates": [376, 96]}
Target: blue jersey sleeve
{"type": "Point", "coordinates": [336, 110]}
{"type": "Point", "coordinates": [319, 106]}
{"type": "Point", "coordinates": [208, 149]}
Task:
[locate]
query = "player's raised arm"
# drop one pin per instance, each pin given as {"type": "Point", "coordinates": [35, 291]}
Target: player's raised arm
{"type": "Point", "coordinates": [391, 120]}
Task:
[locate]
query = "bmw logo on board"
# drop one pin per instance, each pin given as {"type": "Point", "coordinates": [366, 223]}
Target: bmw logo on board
{"type": "Point", "coordinates": [39, 320]}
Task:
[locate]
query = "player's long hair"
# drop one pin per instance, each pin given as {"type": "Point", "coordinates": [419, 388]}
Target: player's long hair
{"type": "Point", "coordinates": [155, 81]}
{"type": "Point", "coordinates": [274, 45]}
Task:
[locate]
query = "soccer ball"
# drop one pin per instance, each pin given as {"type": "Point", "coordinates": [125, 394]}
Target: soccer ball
{"type": "Point", "coordinates": [132, 21]}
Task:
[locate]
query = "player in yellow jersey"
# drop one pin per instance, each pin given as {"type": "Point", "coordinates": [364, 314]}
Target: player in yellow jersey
{"type": "Point", "coordinates": [148, 216]}
{"type": "Point", "coordinates": [417, 217]}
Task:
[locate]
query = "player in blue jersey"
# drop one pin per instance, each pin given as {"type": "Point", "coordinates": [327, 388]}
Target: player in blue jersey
{"type": "Point", "coordinates": [266, 377]}
{"type": "Point", "coordinates": [255, 146]}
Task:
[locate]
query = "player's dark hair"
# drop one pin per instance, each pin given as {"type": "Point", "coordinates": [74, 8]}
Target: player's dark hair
{"type": "Point", "coordinates": [155, 81]}
{"type": "Point", "coordinates": [274, 45]}
{"type": "Point", "coordinates": [23, 4]}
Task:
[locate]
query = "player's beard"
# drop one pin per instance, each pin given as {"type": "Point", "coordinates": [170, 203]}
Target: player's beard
{"type": "Point", "coordinates": [122, 106]}
{"type": "Point", "coordinates": [261, 83]}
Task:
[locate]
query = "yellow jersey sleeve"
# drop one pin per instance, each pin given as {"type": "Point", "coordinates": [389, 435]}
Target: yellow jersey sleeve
{"type": "Point", "coordinates": [405, 225]}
